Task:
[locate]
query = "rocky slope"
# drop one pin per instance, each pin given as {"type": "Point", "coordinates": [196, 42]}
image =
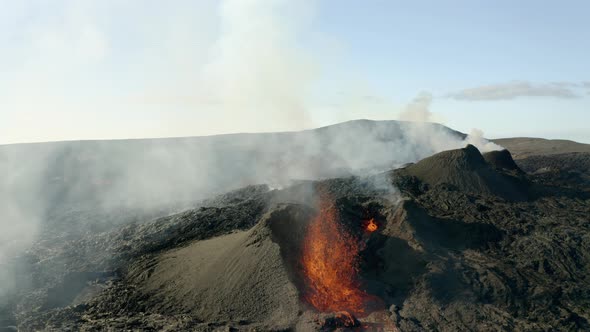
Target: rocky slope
{"type": "Point", "coordinates": [465, 242]}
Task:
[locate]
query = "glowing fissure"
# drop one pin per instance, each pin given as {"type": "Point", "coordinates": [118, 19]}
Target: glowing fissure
{"type": "Point", "coordinates": [330, 263]}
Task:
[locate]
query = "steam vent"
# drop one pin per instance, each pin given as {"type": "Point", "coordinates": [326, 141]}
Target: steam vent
{"type": "Point", "coordinates": [458, 241]}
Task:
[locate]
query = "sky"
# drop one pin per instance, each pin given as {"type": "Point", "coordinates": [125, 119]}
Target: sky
{"type": "Point", "coordinates": [110, 69]}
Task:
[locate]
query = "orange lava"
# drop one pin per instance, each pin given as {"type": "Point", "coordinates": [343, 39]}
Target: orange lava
{"type": "Point", "coordinates": [330, 264]}
{"type": "Point", "coordinates": [371, 226]}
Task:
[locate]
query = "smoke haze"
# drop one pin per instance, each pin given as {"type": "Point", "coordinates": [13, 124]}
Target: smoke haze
{"type": "Point", "coordinates": [258, 73]}
{"type": "Point", "coordinates": [254, 77]}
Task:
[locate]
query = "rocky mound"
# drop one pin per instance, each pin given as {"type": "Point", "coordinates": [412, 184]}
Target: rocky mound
{"type": "Point", "coordinates": [466, 170]}
{"type": "Point", "coordinates": [501, 160]}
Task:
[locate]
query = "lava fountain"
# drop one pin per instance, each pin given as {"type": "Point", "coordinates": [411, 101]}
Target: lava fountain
{"type": "Point", "coordinates": [330, 263]}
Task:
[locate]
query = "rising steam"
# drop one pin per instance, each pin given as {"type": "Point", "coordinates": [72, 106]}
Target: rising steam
{"type": "Point", "coordinates": [255, 78]}
{"type": "Point", "coordinates": [258, 72]}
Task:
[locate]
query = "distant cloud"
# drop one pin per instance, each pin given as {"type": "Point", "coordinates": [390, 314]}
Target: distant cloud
{"type": "Point", "coordinates": [566, 84]}
{"type": "Point", "coordinates": [515, 89]}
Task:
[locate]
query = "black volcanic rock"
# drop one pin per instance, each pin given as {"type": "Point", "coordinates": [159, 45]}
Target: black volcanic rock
{"type": "Point", "coordinates": [466, 170]}
{"type": "Point", "coordinates": [455, 251]}
{"type": "Point", "coordinates": [423, 231]}
{"type": "Point", "coordinates": [502, 160]}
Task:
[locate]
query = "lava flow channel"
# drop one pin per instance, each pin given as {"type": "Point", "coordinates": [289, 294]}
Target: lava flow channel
{"type": "Point", "coordinates": [330, 263]}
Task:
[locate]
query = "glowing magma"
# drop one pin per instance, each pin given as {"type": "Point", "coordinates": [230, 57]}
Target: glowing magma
{"type": "Point", "coordinates": [371, 226]}
{"type": "Point", "coordinates": [330, 263]}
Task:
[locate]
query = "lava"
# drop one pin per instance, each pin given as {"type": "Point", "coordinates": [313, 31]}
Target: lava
{"type": "Point", "coordinates": [330, 264]}
{"type": "Point", "coordinates": [371, 226]}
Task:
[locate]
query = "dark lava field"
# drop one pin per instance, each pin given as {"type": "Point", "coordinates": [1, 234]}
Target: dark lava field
{"type": "Point", "coordinates": [452, 240]}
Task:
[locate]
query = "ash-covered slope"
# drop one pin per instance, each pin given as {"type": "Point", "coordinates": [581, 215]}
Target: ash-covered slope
{"type": "Point", "coordinates": [448, 254]}
{"type": "Point", "coordinates": [243, 276]}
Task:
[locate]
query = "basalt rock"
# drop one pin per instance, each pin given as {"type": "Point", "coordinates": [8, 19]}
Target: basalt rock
{"type": "Point", "coordinates": [466, 170]}
{"type": "Point", "coordinates": [461, 245]}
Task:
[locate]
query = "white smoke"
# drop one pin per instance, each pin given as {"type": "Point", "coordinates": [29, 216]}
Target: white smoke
{"type": "Point", "coordinates": [257, 71]}
{"type": "Point", "coordinates": [254, 76]}
{"type": "Point", "coordinates": [477, 139]}
{"type": "Point", "coordinates": [418, 109]}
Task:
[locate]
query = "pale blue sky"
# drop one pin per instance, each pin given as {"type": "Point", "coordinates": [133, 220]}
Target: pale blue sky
{"type": "Point", "coordinates": [84, 69]}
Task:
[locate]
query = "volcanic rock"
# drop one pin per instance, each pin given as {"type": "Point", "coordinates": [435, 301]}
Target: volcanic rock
{"type": "Point", "coordinates": [460, 246]}
{"type": "Point", "coordinates": [423, 231]}
{"type": "Point", "coordinates": [466, 170]}
{"type": "Point", "coordinates": [501, 160]}
{"type": "Point", "coordinates": [339, 319]}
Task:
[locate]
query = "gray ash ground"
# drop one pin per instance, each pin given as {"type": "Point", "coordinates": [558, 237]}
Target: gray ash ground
{"type": "Point", "coordinates": [466, 243]}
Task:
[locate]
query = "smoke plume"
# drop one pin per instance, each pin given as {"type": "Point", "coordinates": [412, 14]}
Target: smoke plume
{"type": "Point", "coordinates": [418, 109]}
{"type": "Point", "coordinates": [257, 72]}
{"type": "Point", "coordinates": [255, 77]}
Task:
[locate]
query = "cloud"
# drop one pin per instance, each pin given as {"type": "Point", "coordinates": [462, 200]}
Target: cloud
{"type": "Point", "coordinates": [516, 89]}
{"type": "Point", "coordinates": [564, 84]}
